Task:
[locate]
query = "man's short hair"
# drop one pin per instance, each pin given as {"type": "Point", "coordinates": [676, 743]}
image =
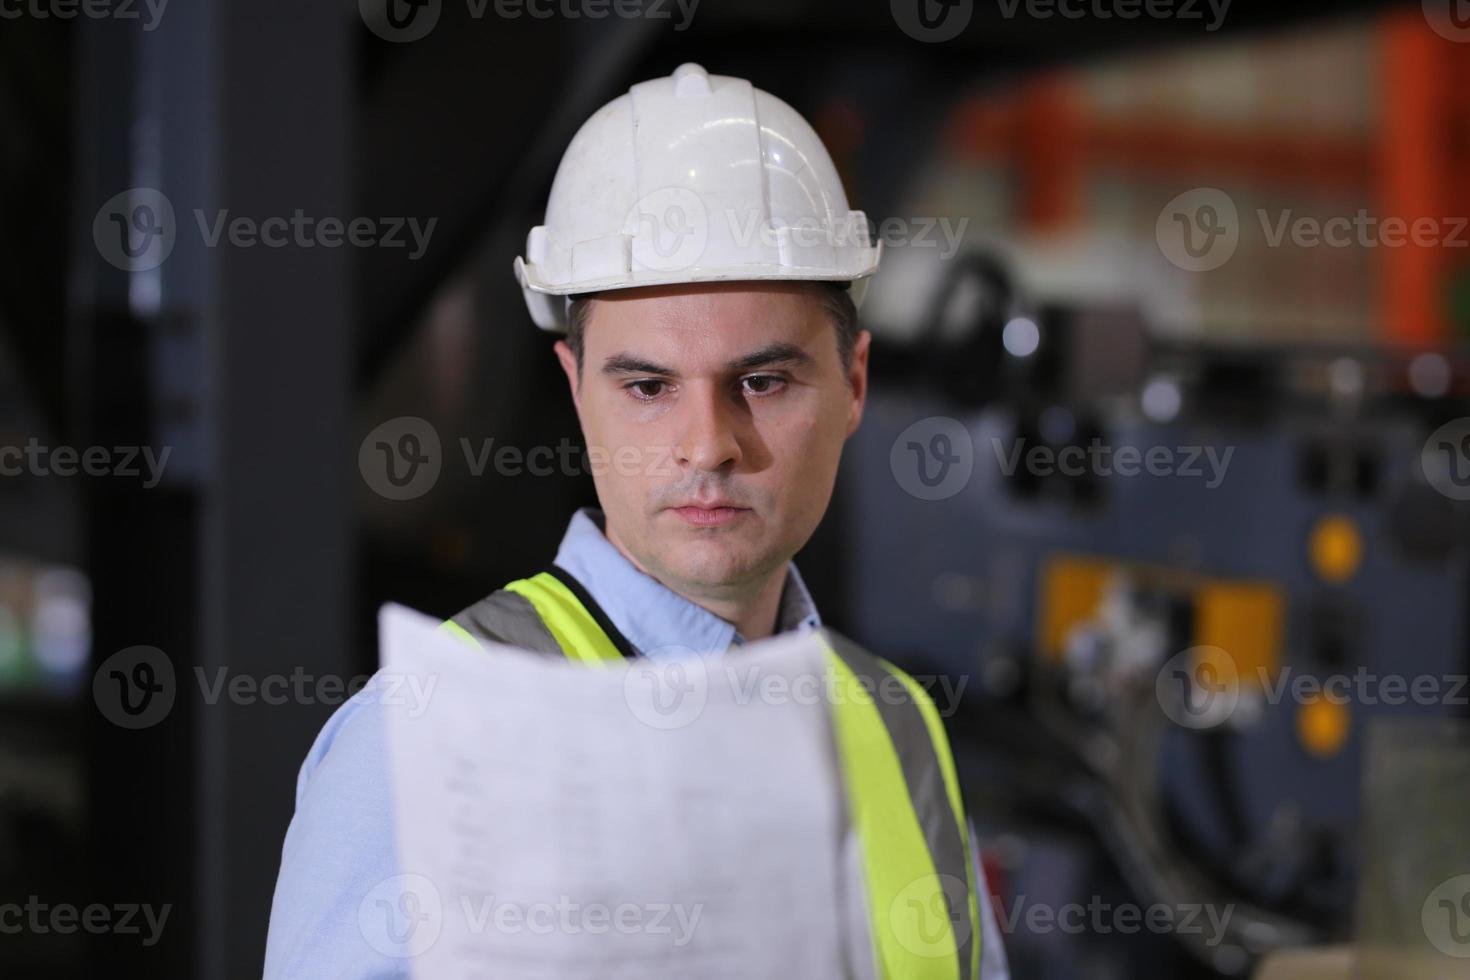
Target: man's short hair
{"type": "Point", "coordinates": [836, 300]}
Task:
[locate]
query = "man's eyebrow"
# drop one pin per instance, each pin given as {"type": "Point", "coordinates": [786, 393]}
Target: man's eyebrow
{"type": "Point", "coordinates": [777, 353]}
{"type": "Point", "coordinates": [628, 364]}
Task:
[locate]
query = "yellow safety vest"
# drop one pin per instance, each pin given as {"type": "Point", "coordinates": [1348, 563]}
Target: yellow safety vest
{"type": "Point", "coordinates": [903, 793]}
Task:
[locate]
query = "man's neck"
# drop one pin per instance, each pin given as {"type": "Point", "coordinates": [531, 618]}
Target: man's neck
{"type": "Point", "coordinates": [752, 611]}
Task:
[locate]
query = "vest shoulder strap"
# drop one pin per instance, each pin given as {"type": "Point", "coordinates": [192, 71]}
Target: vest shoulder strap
{"type": "Point", "coordinates": [503, 617]}
{"type": "Point", "coordinates": [547, 613]}
{"type": "Point", "coordinates": [907, 806]}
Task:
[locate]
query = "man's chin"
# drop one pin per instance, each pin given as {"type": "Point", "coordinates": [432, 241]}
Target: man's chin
{"type": "Point", "coordinates": [712, 560]}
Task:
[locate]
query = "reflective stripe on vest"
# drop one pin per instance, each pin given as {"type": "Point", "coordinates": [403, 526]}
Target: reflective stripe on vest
{"type": "Point", "coordinates": [924, 917]}
{"type": "Point", "coordinates": [575, 629]}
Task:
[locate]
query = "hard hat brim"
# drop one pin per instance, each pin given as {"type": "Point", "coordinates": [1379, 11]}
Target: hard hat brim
{"type": "Point", "coordinates": [549, 314]}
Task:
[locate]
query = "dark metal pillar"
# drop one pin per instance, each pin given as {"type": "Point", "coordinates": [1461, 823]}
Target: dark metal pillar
{"type": "Point", "coordinates": [239, 358]}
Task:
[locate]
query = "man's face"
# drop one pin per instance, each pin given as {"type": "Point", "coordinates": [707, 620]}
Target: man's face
{"type": "Point", "coordinates": [714, 417]}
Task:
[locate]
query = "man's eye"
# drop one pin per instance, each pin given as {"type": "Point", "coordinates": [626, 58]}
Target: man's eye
{"type": "Point", "coordinates": [762, 384]}
{"type": "Point", "coordinates": [647, 389]}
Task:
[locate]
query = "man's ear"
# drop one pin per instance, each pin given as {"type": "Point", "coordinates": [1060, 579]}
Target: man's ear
{"type": "Point", "coordinates": [857, 379]}
{"type": "Point", "coordinates": [568, 361]}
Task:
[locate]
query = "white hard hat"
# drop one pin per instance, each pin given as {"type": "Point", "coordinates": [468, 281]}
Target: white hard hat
{"type": "Point", "coordinates": [692, 178]}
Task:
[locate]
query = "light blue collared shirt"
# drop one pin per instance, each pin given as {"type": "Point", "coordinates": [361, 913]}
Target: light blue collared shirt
{"type": "Point", "coordinates": [340, 845]}
{"type": "Point", "coordinates": [655, 619]}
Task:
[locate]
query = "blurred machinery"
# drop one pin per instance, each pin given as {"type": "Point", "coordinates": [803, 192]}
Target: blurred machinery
{"type": "Point", "coordinates": [1158, 552]}
{"type": "Point", "coordinates": [45, 641]}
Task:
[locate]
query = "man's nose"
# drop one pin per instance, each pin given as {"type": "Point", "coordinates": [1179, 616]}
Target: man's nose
{"type": "Point", "coordinates": [709, 438]}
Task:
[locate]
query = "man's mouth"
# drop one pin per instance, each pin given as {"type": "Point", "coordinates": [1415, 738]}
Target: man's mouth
{"type": "Point", "coordinates": [714, 514]}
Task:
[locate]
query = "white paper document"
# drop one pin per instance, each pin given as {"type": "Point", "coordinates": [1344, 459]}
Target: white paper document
{"type": "Point", "coordinates": [651, 819]}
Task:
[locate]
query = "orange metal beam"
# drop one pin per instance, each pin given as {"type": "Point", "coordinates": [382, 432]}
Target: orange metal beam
{"type": "Point", "coordinates": [1408, 171]}
{"type": "Point", "coordinates": [1414, 173]}
{"type": "Point", "coordinates": [1052, 173]}
{"type": "Point", "coordinates": [989, 133]}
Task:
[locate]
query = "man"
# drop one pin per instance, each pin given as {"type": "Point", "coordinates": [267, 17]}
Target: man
{"type": "Point", "coordinates": [699, 255]}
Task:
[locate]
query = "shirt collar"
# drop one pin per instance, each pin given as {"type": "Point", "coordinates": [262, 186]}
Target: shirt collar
{"type": "Point", "coordinates": [654, 618]}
